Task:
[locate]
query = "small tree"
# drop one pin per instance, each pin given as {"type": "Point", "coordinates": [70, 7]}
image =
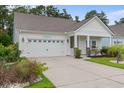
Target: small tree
{"type": "Point", "coordinates": [116, 51]}
{"type": "Point", "coordinates": [113, 50]}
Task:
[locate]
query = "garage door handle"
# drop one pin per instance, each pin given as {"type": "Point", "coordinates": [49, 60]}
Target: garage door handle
{"type": "Point", "coordinates": [46, 49]}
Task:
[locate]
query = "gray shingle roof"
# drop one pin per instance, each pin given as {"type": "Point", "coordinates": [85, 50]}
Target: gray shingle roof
{"type": "Point", "coordinates": [43, 23]}
{"type": "Point", "coordinates": [117, 29]}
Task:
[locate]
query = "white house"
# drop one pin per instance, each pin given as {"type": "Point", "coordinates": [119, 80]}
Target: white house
{"type": "Point", "coordinates": [41, 36]}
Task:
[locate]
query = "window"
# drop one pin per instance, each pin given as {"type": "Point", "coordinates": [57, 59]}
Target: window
{"type": "Point", "coordinates": [44, 41]}
{"type": "Point", "coordinates": [57, 41]}
{"type": "Point", "coordinates": [34, 40]}
{"type": "Point", "coordinates": [49, 41]}
{"type": "Point", "coordinates": [39, 40]}
{"type": "Point", "coordinates": [29, 40]}
{"type": "Point", "coordinates": [62, 41]}
{"type": "Point", "coordinates": [72, 42]}
{"type": "Point", "coordinates": [118, 42]}
{"type": "Point", "coordinates": [53, 41]}
{"type": "Point", "coordinates": [93, 44]}
{"type": "Point", "coordinates": [23, 40]}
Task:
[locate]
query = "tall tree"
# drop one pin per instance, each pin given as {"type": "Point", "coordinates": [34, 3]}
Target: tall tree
{"type": "Point", "coordinates": [3, 16]}
{"type": "Point", "coordinates": [21, 9]}
{"type": "Point", "coordinates": [7, 14]}
{"type": "Point", "coordinates": [120, 21]}
{"type": "Point", "coordinates": [51, 11]}
{"type": "Point", "coordinates": [101, 15]}
{"type": "Point", "coordinates": [116, 22]}
{"type": "Point", "coordinates": [38, 10]}
{"type": "Point", "coordinates": [77, 18]}
{"type": "Point", "coordinates": [90, 14]}
{"type": "Point", "coordinates": [10, 24]}
{"type": "Point", "coordinates": [12, 9]}
{"type": "Point", "coordinates": [65, 15]}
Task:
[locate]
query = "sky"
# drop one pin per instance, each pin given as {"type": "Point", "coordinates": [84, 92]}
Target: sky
{"type": "Point", "coordinates": [113, 12]}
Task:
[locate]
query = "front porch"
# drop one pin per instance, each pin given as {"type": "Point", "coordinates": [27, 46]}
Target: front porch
{"type": "Point", "coordinates": [88, 43]}
{"type": "Point", "coordinates": [90, 35]}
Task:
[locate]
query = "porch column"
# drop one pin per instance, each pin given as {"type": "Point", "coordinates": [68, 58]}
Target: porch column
{"type": "Point", "coordinates": [110, 40]}
{"type": "Point", "coordinates": [88, 41]}
{"type": "Point", "coordinates": [75, 41]}
{"type": "Point", "coordinates": [88, 46]}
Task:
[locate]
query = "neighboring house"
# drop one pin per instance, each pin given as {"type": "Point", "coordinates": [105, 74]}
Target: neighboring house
{"type": "Point", "coordinates": [118, 31]}
{"type": "Point", "coordinates": [41, 36]}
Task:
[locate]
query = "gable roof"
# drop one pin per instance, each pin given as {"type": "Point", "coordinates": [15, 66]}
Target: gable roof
{"type": "Point", "coordinates": [103, 24]}
{"type": "Point", "coordinates": [43, 23]}
{"type": "Point", "coordinates": [117, 29]}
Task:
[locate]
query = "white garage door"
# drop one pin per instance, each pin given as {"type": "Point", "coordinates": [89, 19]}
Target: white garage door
{"type": "Point", "coordinates": [44, 48]}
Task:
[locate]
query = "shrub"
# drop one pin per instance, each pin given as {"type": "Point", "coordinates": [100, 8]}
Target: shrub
{"type": "Point", "coordinates": [9, 53]}
{"type": "Point", "coordinates": [12, 53]}
{"type": "Point", "coordinates": [104, 51]}
{"type": "Point", "coordinates": [113, 50]}
{"type": "Point", "coordinates": [77, 53]}
{"type": "Point", "coordinates": [28, 70]}
{"type": "Point", "coordinates": [5, 39]}
{"type": "Point", "coordinates": [21, 72]}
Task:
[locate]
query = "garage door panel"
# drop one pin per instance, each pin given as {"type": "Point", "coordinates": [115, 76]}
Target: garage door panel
{"type": "Point", "coordinates": [45, 48]}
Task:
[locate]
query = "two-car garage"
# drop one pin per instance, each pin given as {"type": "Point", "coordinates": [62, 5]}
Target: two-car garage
{"type": "Point", "coordinates": [38, 46]}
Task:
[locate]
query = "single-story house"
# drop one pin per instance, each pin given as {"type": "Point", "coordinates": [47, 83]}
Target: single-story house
{"type": "Point", "coordinates": [41, 36]}
{"type": "Point", "coordinates": [118, 31]}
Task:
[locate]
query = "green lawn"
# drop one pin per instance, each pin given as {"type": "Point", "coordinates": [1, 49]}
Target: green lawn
{"type": "Point", "coordinates": [106, 61]}
{"type": "Point", "coordinates": [45, 83]}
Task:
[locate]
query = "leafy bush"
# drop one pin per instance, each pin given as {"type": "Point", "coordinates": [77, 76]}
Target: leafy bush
{"type": "Point", "coordinates": [113, 50]}
{"type": "Point", "coordinates": [77, 53]}
{"type": "Point", "coordinates": [104, 51]}
{"type": "Point", "coordinates": [94, 51]}
{"type": "Point", "coordinates": [9, 53]}
{"type": "Point", "coordinates": [21, 72]}
{"type": "Point", "coordinates": [5, 39]}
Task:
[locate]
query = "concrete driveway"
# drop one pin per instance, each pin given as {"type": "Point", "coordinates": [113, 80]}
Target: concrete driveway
{"type": "Point", "coordinates": [69, 72]}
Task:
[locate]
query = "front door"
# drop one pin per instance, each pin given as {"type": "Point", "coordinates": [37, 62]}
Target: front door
{"type": "Point", "coordinates": [82, 45]}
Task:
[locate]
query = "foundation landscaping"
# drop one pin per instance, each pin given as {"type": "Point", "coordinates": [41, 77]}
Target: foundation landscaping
{"type": "Point", "coordinates": [16, 71]}
{"type": "Point", "coordinates": [111, 56]}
